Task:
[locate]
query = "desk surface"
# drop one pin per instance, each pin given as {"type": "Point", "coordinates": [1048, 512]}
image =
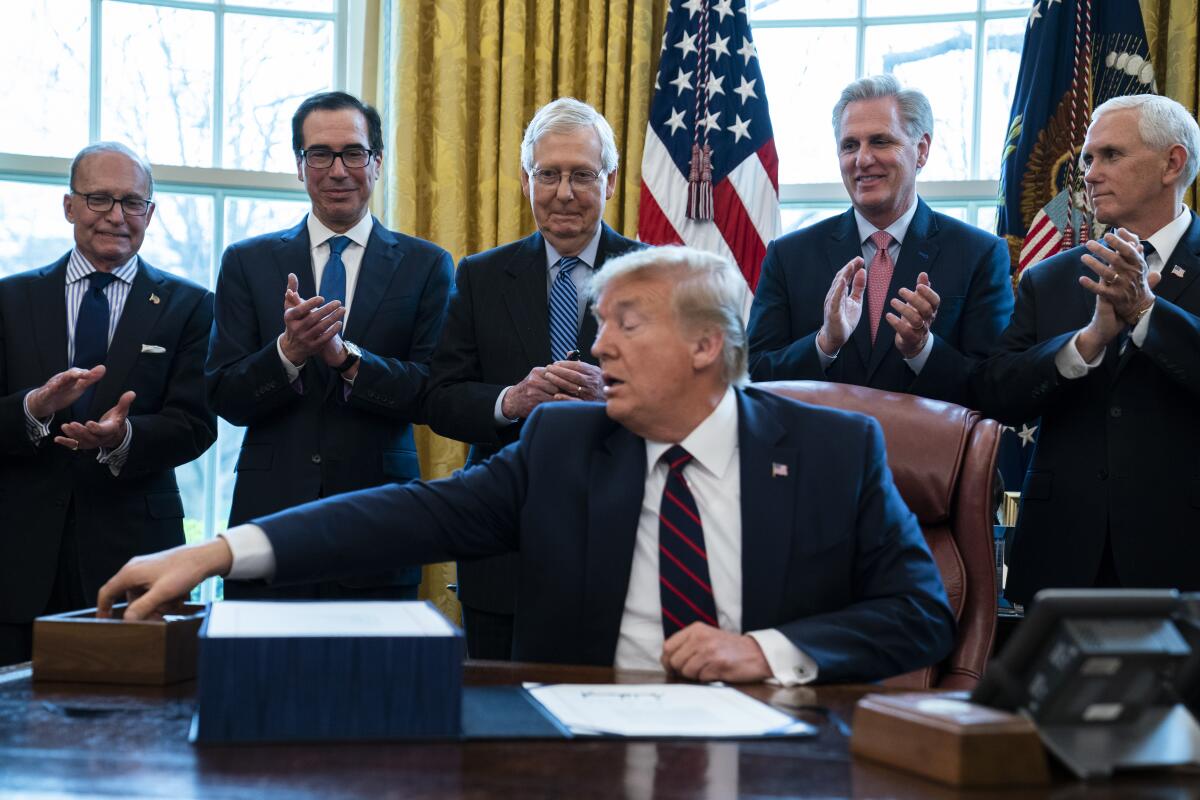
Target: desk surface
{"type": "Point", "coordinates": [73, 739]}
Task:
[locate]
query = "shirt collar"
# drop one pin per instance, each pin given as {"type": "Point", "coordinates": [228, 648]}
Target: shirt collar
{"type": "Point", "coordinates": [587, 255]}
{"type": "Point", "coordinates": [318, 234]}
{"type": "Point", "coordinates": [78, 268]}
{"type": "Point", "coordinates": [897, 229]}
{"type": "Point", "coordinates": [712, 443]}
{"type": "Point", "coordinates": [1166, 238]}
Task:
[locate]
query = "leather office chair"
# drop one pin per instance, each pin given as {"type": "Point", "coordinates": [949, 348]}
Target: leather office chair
{"type": "Point", "coordinates": [943, 459]}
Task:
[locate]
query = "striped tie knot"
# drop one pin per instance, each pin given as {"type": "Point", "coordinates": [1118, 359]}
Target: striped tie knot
{"type": "Point", "coordinates": [676, 458]}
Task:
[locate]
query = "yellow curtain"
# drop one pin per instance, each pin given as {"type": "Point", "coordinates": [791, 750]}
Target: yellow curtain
{"type": "Point", "coordinates": [460, 79]}
{"type": "Point", "coordinates": [1171, 28]}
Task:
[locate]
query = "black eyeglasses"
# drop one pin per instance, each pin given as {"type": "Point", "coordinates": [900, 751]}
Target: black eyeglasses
{"type": "Point", "coordinates": [102, 203]}
{"type": "Point", "coordinates": [352, 157]}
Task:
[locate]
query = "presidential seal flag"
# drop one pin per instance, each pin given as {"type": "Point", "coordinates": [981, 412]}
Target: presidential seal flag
{"type": "Point", "coordinates": [1077, 54]}
{"type": "Point", "coordinates": [710, 174]}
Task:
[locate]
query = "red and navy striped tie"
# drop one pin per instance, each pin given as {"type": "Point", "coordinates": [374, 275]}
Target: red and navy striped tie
{"type": "Point", "coordinates": [684, 585]}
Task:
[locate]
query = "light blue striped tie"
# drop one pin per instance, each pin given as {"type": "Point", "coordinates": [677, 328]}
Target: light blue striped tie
{"type": "Point", "coordinates": [564, 310]}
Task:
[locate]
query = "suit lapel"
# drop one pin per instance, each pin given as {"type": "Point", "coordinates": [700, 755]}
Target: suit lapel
{"type": "Point", "coordinates": [769, 477]}
{"type": "Point", "coordinates": [292, 254]}
{"type": "Point", "coordinates": [137, 319]}
{"type": "Point", "coordinates": [380, 262]}
{"type": "Point", "coordinates": [918, 252]}
{"type": "Point", "coordinates": [1187, 258]}
{"type": "Point", "coordinates": [527, 301]}
{"type": "Point", "coordinates": [48, 310]}
{"type": "Point", "coordinates": [616, 478]}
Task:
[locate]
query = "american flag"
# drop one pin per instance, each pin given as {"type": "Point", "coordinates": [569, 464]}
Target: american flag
{"type": "Point", "coordinates": [710, 174]}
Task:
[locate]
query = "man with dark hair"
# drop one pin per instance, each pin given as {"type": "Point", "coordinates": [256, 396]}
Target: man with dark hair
{"type": "Point", "coordinates": [689, 523]}
{"type": "Point", "coordinates": [322, 337]}
{"type": "Point", "coordinates": [821, 310]}
{"type": "Point", "coordinates": [101, 397]}
{"type": "Point", "coordinates": [1104, 347]}
{"type": "Point", "coordinates": [517, 313]}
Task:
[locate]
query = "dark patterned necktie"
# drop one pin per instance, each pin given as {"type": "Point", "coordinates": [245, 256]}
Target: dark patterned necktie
{"type": "Point", "coordinates": [683, 577]}
{"type": "Point", "coordinates": [564, 310]}
{"type": "Point", "coordinates": [91, 335]}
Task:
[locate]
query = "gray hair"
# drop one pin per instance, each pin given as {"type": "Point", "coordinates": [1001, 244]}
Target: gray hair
{"type": "Point", "coordinates": [707, 293]}
{"type": "Point", "coordinates": [566, 115]}
{"type": "Point", "coordinates": [1162, 123]}
{"type": "Point", "coordinates": [913, 105]}
{"type": "Point", "coordinates": [112, 147]}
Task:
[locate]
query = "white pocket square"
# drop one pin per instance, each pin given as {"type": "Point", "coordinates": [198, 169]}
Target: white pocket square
{"type": "Point", "coordinates": [153, 348]}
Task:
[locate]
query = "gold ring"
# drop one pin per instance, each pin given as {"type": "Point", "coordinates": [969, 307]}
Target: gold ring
{"type": "Point", "coordinates": [74, 445]}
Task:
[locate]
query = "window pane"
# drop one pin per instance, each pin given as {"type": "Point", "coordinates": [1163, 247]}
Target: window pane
{"type": "Point", "coordinates": [958, 212]}
{"type": "Point", "coordinates": [801, 9]}
{"type": "Point", "coordinates": [907, 8]}
{"type": "Point", "coordinates": [804, 70]}
{"type": "Point", "coordinates": [292, 5]}
{"type": "Point", "coordinates": [179, 237]}
{"type": "Point", "coordinates": [229, 444]}
{"type": "Point", "coordinates": [795, 218]}
{"type": "Point", "coordinates": [250, 216]}
{"type": "Point", "coordinates": [1002, 59]}
{"type": "Point", "coordinates": [986, 218]}
{"type": "Point", "coordinates": [158, 82]}
{"type": "Point", "coordinates": [34, 232]}
{"type": "Point", "coordinates": [993, 5]}
{"type": "Point", "coordinates": [265, 81]}
{"type": "Point", "coordinates": [44, 52]}
{"type": "Point", "coordinates": [939, 60]}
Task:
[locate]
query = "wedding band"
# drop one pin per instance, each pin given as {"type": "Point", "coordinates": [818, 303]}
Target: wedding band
{"type": "Point", "coordinates": [74, 445]}
{"type": "Point", "coordinates": [1109, 281]}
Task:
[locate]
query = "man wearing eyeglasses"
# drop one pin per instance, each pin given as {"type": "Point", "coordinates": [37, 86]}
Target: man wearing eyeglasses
{"type": "Point", "coordinates": [322, 339]}
{"type": "Point", "coordinates": [519, 325]}
{"type": "Point", "coordinates": [101, 397]}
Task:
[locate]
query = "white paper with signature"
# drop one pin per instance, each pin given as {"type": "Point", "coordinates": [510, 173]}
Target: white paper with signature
{"type": "Point", "coordinates": [662, 710]}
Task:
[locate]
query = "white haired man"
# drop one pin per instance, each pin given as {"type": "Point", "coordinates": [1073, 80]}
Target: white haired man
{"type": "Point", "coordinates": [1104, 346]}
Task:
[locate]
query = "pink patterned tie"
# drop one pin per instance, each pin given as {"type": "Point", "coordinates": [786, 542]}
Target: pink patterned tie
{"type": "Point", "coordinates": [879, 275]}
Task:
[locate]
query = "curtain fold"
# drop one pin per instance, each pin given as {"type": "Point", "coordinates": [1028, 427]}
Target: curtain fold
{"type": "Point", "coordinates": [459, 80]}
{"type": "Point", "coordinates": [1171, 31]}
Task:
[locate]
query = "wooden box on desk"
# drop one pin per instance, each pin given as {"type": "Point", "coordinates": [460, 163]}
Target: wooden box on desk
{"type": "Point", "coordinates": [79, 647]}
{"type": "Point", "coordinates": [943, 737]}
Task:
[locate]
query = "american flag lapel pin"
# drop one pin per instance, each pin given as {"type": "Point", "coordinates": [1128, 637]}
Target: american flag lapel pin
{"type": "Point", "coordinates": [154, 298]}
{"type": "Point", "coordinates": [1178, 271]}
{"type": "Point", "coordinates": [778, 470]}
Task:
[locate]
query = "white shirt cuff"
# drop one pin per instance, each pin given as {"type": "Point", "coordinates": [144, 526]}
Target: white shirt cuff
{"type": "Point", "coordinates": [1138, 334]}
{"type": "Point", "coordinates": [116, 458]}
{"type": "Point", "coordinates": [498, 413]}
{"type": "Point", "coordinates": [1070, 363]}
{"type": "Point", "coordinates": [252, 553]}
{"type": "Point", "coordinates": [824, 359]}
{"type": "Point", "coordinates": [36, 428]}
{"type": "Point", "coordinates": [917, 362]}
{"type": "Point", "coordinates": [789, 665]}
{"type": "Point", "coordinates": [293, 372]}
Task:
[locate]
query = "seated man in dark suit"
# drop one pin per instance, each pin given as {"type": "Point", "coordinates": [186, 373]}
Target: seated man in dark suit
{"type": "Point", "coordinates": [722, 533]}
{"type": "Point", "coordinates": [948, 281]}
{"type": "Point", "coordinates": [101, 397]}
{"type": "Point", "coordinates": [1104, 347]}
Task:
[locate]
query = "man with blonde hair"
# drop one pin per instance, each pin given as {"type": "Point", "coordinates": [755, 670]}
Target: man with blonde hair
{"type": "Point", "coordinates": [517, 319]}
{"type": "Point", "coordinates": [1104, 346]}
{"type": "Point", "coordinates": [673, 527]}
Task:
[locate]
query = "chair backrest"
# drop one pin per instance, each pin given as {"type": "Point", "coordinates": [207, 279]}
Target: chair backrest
{"type": "Point", "coordinates": [943, 459]}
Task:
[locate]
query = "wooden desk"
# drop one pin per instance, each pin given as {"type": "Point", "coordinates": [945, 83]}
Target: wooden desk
{"type": "Point", "coordinates": [71, 739]}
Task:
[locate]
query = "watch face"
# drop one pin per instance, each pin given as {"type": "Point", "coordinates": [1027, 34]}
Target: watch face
{"type": "Point", "coordinates": [352, 349]}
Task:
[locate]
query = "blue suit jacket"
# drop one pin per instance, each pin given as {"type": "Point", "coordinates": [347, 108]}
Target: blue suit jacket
{"type": "Point", "coordinates": [1118, 451]}
{"type": "Point", "coordinates": [831, 556]}
{"type": "Point", "coordinates": [140, 510]}
{"type": "Point", "coordinates": [967, 267]}
{"type": "Point", "coordinates": [301, 445]}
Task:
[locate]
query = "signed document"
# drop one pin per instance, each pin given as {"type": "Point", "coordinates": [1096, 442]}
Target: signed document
{"type": "Point", "coordinates": [663, 710]}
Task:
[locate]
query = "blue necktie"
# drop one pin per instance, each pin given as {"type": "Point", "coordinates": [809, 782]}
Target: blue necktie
{"type": "Point", "coordinates": [685, 587]}
{"type": "Point", "coordinates": [91, 335]}
{"type": "Point", "coordinates": [333, 277]}
{"type": "Point", "coordinates": [564, 310]}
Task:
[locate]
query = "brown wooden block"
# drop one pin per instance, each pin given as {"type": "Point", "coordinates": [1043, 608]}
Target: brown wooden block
{"type": "Point", "coordinates": [947, 739]}
{"type": "Point", "coordinates": [79, 647]}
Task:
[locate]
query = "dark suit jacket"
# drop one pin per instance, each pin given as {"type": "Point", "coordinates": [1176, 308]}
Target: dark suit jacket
{"type": "Point", "coordinates": [497, 330]}
{"type": "Point", "coordinates": [140, 510]}
{"type": "Point", "coordinates": [967, 267]}
{"type": "Point", "coordinates": [831, 556]}
{"type": "Point", "coordinates": [301, 445]}
{"type": "Point", "coordinates": [1118, 451]}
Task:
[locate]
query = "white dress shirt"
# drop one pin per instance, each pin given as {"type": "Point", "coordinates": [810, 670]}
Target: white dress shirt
{"type": "Point", "coordinates": [1068, 361]}
{"type": "Point", "coordinates": [714, 476]}
{"type": "Point", "coordinates": [352, 256]}
{"type": "Point", "coordinates": [580, 277]}
{"type": "Point", "coordinates": [898, 230]}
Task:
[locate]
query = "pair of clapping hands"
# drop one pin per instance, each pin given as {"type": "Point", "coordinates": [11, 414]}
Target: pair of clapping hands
{"type": "Point", "coordinates": [1124, 289]}
{"type": "Point", "coordinates": [64, 389]}
{"type": "Point", "coordinates": [570, 379]}
{"type": "Point", "coordinates": [312, 327]}
{"type": "Point", "coordinates": [914, 311]}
